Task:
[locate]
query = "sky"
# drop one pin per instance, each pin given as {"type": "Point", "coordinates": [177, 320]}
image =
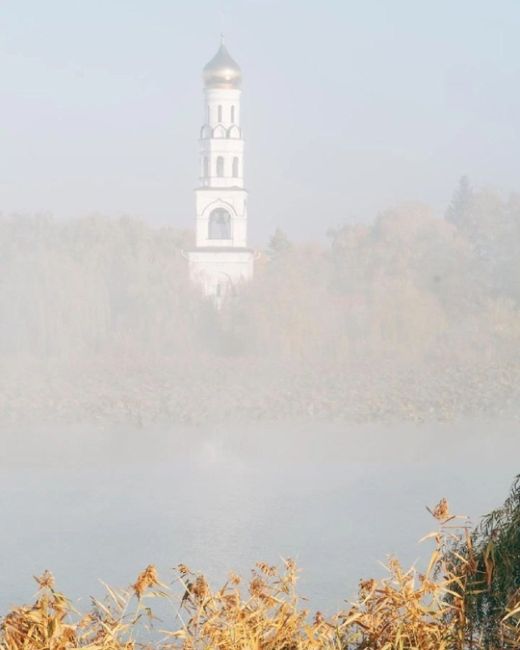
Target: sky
{"type": "Point", "coordinates": [349, 108]}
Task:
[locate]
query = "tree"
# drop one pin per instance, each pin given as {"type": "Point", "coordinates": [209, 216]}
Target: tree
{"type": "Point", "coordinates": [491, 560]}
{"type": "Point", "coordinates": [278, 244]}
{"type": "Point", "coordinates": [461, 202]}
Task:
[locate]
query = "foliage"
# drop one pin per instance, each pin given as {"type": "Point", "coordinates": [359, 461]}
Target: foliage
{"type": "Point", "coordinates": [494, 575]}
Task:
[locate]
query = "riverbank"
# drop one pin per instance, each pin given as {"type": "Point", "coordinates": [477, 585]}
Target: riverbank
{"type": "Point", "coordinates": [143, 394]}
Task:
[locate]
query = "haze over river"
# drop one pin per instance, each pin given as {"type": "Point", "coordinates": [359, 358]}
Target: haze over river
{"type": "Point", "coordinates": [92, 505]}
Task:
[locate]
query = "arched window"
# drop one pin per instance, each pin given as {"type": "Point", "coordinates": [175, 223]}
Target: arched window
{"type": "Point", "coordinates": [219, 131]}
{"type": "Point", "coordinates": [219, 114]}
{"type": "Point", "coordinates": [219, 224]}
{"type": "Point", "coordinates": [232, 115]}
{"type": "Point", "coordinates": [205, 167]}
{"type": "Point", "coordinates": [220, 166]}
{"type": "Point", "coordinates": [235, 167]}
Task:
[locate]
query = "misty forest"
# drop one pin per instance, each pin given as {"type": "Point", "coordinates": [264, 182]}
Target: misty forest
{"type": "Point", "coordinates": [412, 316]}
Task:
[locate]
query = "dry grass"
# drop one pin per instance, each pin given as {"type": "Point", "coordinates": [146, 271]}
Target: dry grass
{"type": "Point", "coordinates": [405, 610]}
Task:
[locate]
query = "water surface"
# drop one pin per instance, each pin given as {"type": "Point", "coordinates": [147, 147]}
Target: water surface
{"type": "Point", "coordinates": [98, 504]}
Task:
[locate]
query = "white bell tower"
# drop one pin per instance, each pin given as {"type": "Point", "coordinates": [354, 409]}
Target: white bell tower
{"type": "Point", "coordinates": [221, 260]}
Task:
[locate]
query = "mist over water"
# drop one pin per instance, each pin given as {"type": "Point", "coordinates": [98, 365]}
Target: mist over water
{"type": "Point", "coordinates": [339, 499]}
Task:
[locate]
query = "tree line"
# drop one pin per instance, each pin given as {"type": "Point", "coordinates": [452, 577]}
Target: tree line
{"type": "Point", "coordinates": [411, 291]}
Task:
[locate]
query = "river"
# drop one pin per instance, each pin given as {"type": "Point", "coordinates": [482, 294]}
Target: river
{"type": "Point", "coordinates": [99, 504]}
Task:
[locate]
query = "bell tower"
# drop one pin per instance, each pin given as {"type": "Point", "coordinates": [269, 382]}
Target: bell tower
{"type": "Point", "coordinates": [221, 260]}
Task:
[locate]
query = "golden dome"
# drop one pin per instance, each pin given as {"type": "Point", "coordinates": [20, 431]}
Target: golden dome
{"type": "Point", "coordinates": [222, 71]}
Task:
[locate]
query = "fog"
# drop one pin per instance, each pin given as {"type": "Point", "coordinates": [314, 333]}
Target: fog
{"type": "Point", "coordinates": [411, 318]}
{"type": "Point", "coordinates": [370, 365]}
{"type": "Point", "coordinates": [97, 504]}
{"type": "Point", "coordinates": [348, 108]}
{"type": "Point", "coordinates": [314, 415]}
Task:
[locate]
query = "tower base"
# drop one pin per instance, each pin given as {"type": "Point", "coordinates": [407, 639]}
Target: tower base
{"type": "Point", "coordinates": [219, 272]}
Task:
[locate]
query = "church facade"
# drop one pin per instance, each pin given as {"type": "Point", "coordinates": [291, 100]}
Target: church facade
{"type": "Point", "coordinates": [221, 260]}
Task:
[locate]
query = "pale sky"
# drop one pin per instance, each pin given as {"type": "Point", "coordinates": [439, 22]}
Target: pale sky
{"type": "Point", "coordinates": [348, 107]}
